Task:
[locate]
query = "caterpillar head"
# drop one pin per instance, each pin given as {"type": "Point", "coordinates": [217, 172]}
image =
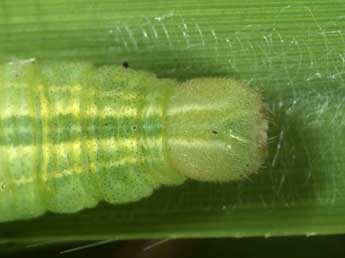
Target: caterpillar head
{"type": "Point", "coordinates": [216, 129]}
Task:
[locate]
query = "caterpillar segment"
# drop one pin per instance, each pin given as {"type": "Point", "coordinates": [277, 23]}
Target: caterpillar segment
{"type": "Point", "coordinates": [72, 135]}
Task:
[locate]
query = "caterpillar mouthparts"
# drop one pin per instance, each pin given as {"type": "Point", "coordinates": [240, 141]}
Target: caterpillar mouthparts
{"type": "Point", "coordinates": [72, 135]}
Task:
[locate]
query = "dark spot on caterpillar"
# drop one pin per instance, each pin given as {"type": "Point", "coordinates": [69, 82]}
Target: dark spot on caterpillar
{"type": "Point", "coordinates": [125, 64]}
{"type": "Point", "coordinates": [263, 112]}
{"type": "Point", "coordinates": [263, 147]}
{"type": "Point", "coordinates": [134, 127]}
{"type": "Point", "coordinates": [214, 132]}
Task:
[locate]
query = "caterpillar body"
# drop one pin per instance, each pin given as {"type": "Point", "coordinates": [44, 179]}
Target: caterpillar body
{"type": "Point", "coordinates": [72, 135]}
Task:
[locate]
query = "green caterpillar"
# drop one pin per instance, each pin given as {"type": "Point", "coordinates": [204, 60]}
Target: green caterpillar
{"type": "Point", "coordinates": [72, 135]}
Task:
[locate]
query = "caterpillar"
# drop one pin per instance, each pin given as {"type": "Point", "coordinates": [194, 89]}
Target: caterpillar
{"type": "Point", "coordinates": [73, 134]}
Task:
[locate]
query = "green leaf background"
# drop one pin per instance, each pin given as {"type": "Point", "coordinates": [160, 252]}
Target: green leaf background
{"type": "Point", "coordinates": [291, 51]}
